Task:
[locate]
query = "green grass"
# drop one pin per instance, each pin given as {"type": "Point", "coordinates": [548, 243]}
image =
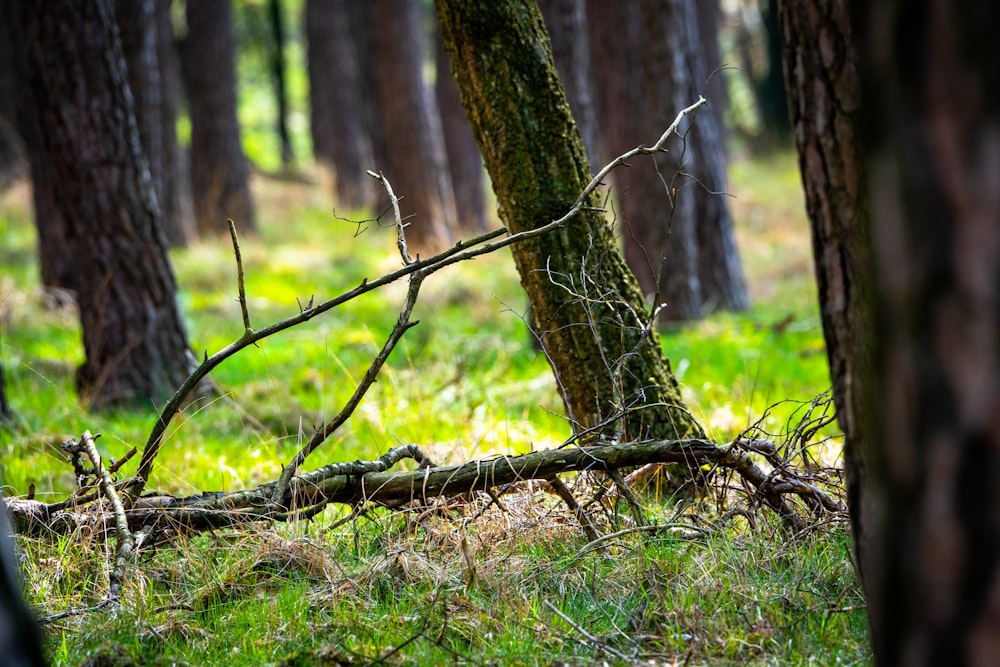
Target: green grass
{"type": "Point", "coordinates": [296, 593]}
{"type": "Point", "coordinates": [465, 383]}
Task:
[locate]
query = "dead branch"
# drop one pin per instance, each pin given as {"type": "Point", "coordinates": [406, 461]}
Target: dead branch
{"type": "Point", "coordinates": [462, 251]}
{"type": "Point", "coordinates": [567, 497]}
{"type": "Point", "coordinates": [361, 482]}
{"type": "Point", "coordinates": [402, 325]}
{"type": "Point", "coordinates": [240, 282]}
{"type": "Point", "coordinates": [124, 537]}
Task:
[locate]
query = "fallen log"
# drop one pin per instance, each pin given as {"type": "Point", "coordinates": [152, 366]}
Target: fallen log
{"type": "Point", "coordinates": [372, 482]}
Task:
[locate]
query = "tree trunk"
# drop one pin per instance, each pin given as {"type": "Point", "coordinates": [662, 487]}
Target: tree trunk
{"type": "Point", "coordinates": [414, 158]}
{"type": "Point", "coordinates": [220, 176]}
{"type": "Point", "coordinates": [175, 193]}
{"type": "Point", "coordinates": [930, 73]}
{"type": "Point", "coordinates": [661, 243]}
{"type": "Point", "coordinates": [5, 410]}
{"type": "Point", "coordinates": [138, 31]}
{"type": "Point", "coordinates": [465, 163]}
{"type": "Point", "coordinates": [720, 270]}
{"type": "Point", "coordinates": [278, 79]}
{"type": "Point", "coordinates": [133, 336]}
{"type": "Point", "coordinates": [709, 17]}
{"type": "Point", "coordinates": [341, 142]}
{"type": "Point", "coordinates": [56, 259]}
{"type": "Point", "coordinates": [613, 28]}
{"type": "Point", "coordinates": [679, 237]}
{"type": "Point", "coordinates": [566, 21]}
{"type": "Point", "coordinates": [585, 304]}
{"type": "Point", "coordinates": [20, 639]}
{"type": "Point", "coordinates": [770, 85]}
{"type": "Point", "coordinates": [825, 106]}
{"type": "Point", "coordinates": [12, 157]}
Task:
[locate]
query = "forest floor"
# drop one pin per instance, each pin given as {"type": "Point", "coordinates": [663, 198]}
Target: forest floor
{"type": "Point", "coordinates": [466, 583]}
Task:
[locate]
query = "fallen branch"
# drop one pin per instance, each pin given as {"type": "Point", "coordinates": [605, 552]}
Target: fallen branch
{"type": "Point", "coordinates": [462, 251]}
{"type": "Point", "coordinates": [124, 537]}
{"type": "Point", "coordinates": [371, 482]}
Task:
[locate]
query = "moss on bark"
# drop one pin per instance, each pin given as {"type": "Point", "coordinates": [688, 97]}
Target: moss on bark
{"type": "Point", "coordinates": [585, 303]}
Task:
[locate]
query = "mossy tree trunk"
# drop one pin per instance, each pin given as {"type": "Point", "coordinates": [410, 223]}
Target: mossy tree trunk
{"type": "Point", "coordinates": [586, 306]}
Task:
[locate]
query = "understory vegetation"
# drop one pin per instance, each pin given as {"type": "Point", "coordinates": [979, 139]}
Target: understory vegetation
{"type": "Point", "coordinates": [506, 581]}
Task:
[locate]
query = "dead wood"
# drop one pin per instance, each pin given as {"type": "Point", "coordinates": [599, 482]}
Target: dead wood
{"type": "Point", "coordinates": [371, 482]}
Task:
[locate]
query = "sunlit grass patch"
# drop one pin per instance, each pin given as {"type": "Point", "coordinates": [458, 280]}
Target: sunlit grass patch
{"type": "Point", "coordinates": [463, 583]}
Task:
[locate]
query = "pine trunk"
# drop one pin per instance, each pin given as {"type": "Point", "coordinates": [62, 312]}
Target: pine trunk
{"type": "Point", "coordinates": [56, 258]}
{"type": "Point", "coordinates": [133, 336]}
{"type": "Point", "coordinates": [465, 164]}
{"type": "Point", "coordinates": [679, 236]}
{"type": "Point", "coordinates": [661, 241]}
{"type": "Point", "coordinates": [220, 175]}
{"type": "Point", "coordinates": [566, 22]}
{"type": "Point", "coordinates": [585, 304]}
{"type": "Point", "coordinates": [930, 74]}
{"type": "Point", "coordinates": [414, 157]}
{"type": "Point", "coordinates": [175, 193]}
{"type": "Point", "coordinates": [341, 141]}
{"type": "Point", "coordinates": [825, 102]}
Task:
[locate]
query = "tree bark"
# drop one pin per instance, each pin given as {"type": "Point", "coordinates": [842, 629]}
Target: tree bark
{"type": "Point", "coordinates": [613, 28]}
{"type": "Point", "coordinates": [709, 17]}
{"type": "Point", "coordinates": [825, 106]}
{"type": "Point", "coordinates": [586, 306]}
{"type": "Point", "coordinates": [175, 193]}
{"type": "Point", "coordinates": [137, 27]}
{"type": "Point", "coordinates": [930, 73]}
{"type": "Point", "coordinates": [341, 141]}
{"type": "Point", "coordinates": [133, 336]}
{"type": "Point", "coordinates": [278, 80]}
{"type": "Point", "coordinates": [414, 158]}
{"type": "Point", "coordinates": [661, 242]}
{"type": "Point", "coordinates": [770, 85]}
{"type": "Point", "coordinates": [220, 176]}
{"type": "Point", "coordinates": [720, 270]}
{"type": "Point", "coordinates": [679, 237]}
{"type": "Point", "coordinates": [20, 639]}
{"type": "Point", "coordinates": [12, 158]}
{"type": "Point", "coordinates": [465, 163]}
{"type": "Point", "coordinates": [566, 22]}
{"type": "Point", "coordinates": [56, 259]}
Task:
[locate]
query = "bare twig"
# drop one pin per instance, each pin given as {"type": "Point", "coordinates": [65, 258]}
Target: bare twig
{"type": "Point", "coordinates": [124, 537]}
{"type": "Point", "coordinates": [114, 467]}
{"type": "Point", "coordinates": [574, 507]}
{"type": "Point", "coordinates": [241, 286]}
{"type": "Point", "coordinates": [630, 497]}
{"type": "Point", "coordinates": [461, 251]}
{"type": "Point", "coordinates": [404, 252]}
{"type": "Point", "coordinates": [403, 324]}
{"type": "Point", "coordinates": [598, 644]}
